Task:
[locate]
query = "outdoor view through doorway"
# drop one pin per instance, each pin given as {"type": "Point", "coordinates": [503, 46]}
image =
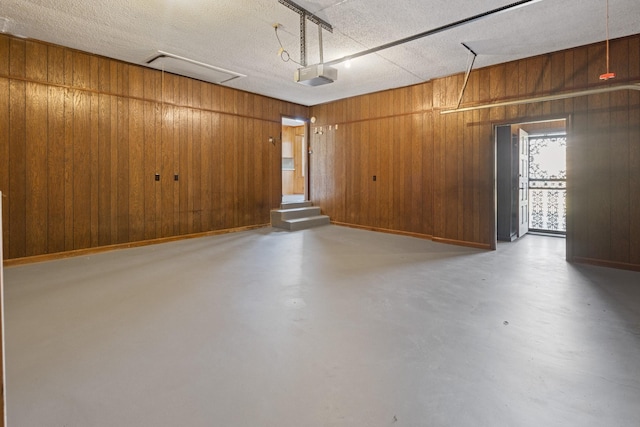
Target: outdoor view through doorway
{"type": "Point", "coordinates": [548, 183]}
{"type": "Point", "coordinates": [531, 179]}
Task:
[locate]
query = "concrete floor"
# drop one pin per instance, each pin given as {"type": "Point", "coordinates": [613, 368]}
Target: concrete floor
{"type": "Point", "coordinates": [324, 327]}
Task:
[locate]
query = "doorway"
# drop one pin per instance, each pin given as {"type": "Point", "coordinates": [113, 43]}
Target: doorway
{"type": "Point", "coordinates": [295, 162]}
{"type": "Point", "coordinates": [531, 179]}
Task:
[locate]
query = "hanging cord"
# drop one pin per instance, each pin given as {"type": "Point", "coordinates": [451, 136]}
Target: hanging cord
{"type": "Point", "coordinates": [608, 75]}
{"type": "Point", "coordinates": [283, 53]}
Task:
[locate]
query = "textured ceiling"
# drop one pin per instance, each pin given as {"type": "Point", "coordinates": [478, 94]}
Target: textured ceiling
{"type": "Point", "coordinates": [238, 35]}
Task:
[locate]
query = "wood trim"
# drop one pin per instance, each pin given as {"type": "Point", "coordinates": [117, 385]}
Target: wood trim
{"type": "Point", "coordinates": [463, 243]}
{"type": "Point", "coordinates": [417, 235]}
{"type": "Point", "coordinates": [92, 251]}
{"type": "Point", "coordinates": [383, 230]}
{"type": "Point", "coordinates": [604, 263]}
{"type": "Point", "coordinates": [133, 98]}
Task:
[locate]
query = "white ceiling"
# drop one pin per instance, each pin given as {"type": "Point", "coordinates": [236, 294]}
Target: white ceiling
{"type": "Point", "coordinates": [238, 35]}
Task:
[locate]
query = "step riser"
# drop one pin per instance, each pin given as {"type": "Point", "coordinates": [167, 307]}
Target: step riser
{"type": "Point", "coordinates": [280, 215]}
{"type": "Point", "coordinates": [294, 205]}
{"type": "Point", "coordinates": [307, 223]}
{"type": "Point", "coordinates": [306, 212]}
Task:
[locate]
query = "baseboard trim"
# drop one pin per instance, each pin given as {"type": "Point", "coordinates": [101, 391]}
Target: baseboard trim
{"type": "Point", "coordinates": [418, 235]}
{"type": "Point", "coordinates": [608, 264]}
{"type": "Point", "coordinates": [99, 249]}
{"type": "Point", "coordinates": [383, 230]}
{"type": "Point", "coordinates": [474, 245]}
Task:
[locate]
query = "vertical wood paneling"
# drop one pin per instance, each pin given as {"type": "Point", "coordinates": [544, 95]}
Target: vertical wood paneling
{"type": "Point", "coordinates": [351, 139]}
{"type": "Point", "coordinates": [578, 175]}
{"type": "Point", "coordinates": [416, 171]}
{"type": "Point", "coordinates": [362, 158]}
{"type": "Point", "coordinates": [534, 84]}
{"type": "Point", "coordinates": [511, 87]}
{"type": "Point", "coordinates": [341, 171]}
{"type": "Point", "coordinates": [240, 194]}
{"type": "Point", "coordinates": [95, 159]}
{"type": "Point", "coordinates": [407, 153]}
{"type": "Point", "coordinates": [428, 174]}
{"type": "Point", "coordinates": [82, 159]}
{"type": "Point", "coordinates": [136, 171]}
{"type": "Point", "coordinates": [557, 80]}
{"type": "Point", "coordinates": [598, 157]}
{"type": "Point", "coordinates": [4, 55]}
{"type": "Point", "coordinates": [167, 171]}
{"type": "Point", "coordinates": [195, 171]}
{"type": "Point", "coordinates": [497, 76]}
{"type": "Point", "coordinates": [263, 173]}
{"type": "Point", "coordinates": [634, 156]}
{"type": "Point", "coordinates": [36, 169]}
{"type": "Point", "coordinates": [182, 153]}
{"type": "Point", "coordinates": [81, 198]}
{"type": "Point", "coordinates": [397, 213]}
{"type": "Point", "coordinates": [17, 170]}
{"type": "Point", "coordinates": [4, 144]}
{"type": "Point", "coordinates": [619, 156]}
{"type": "Point", "coordinates": [457, 151]}
{"type": "Point", "coordinates": [385, 162]}
{"type": "Point", "coordinates": [485, 183]}
{"type": "Point", "coordinates": [151, 139]}
{"type": "Point", "coordinates": [122, 167]}
{"type": "Point", "coordinates": [274, 167]}
{"type": "Point", "coordinates": [229, 190]}
{"type": "Point", "coordinates": [438, 161]}
{"type": "Point", "coordinates": [91, 159]}
{"type": "Point", "coordinates": [206, 174]}
{"type": "Point", "coordinates": [17, 58]}
{"type": "Point", "coordinates": [217, 171]}
{"type": "Point", "coordinates": [104, 170]}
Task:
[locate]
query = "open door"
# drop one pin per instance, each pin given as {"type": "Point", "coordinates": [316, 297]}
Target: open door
{"type": "Point", "coordinates": [523, 183]}
{"type": "Point", "coordinates": [294, 161]}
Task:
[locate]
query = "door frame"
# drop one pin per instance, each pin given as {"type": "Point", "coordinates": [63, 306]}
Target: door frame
{"type": "Point", "coordinates": [570, 166]}
{"type": "Point", "coordinates": [307, 142]}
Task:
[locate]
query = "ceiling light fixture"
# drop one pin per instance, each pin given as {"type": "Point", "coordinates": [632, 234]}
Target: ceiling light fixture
{"type": "Point", "coordinates": [608, 75]}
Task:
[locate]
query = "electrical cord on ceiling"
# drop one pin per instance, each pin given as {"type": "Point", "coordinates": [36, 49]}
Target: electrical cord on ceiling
{"type": "Point", "coordinates": [283, 53]}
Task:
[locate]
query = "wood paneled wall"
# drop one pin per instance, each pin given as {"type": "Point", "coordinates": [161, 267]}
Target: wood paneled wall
{"type": "Point", "coordinates": [435, 173]}
{"type": "Point", "coordinates": [82, 138]}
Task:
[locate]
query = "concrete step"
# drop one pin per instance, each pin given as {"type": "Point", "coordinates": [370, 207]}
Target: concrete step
{"type": "Point", "coordinates": [278, 216]}
{"type": "Point", "coordinates": [293, 205]}
{"type": "Point", "coordinates": [298, 212]}
{"type": "Point", "coordinates": [304, 223]}
{"type": "Point", "coordinates": [298, 216]}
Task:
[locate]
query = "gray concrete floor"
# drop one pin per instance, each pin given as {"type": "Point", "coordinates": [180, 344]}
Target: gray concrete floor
{"type": "Point", "coordinates": [324, 327]}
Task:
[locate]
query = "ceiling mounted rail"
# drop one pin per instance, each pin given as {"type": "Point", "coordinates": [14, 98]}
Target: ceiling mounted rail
{"type": "Point", "coordinates": [546, 98]}
{"type": "Point", "coordinates": [431, 32]}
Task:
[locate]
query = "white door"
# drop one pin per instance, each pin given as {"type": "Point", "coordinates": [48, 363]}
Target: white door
{"type": "Point", "coordinates": [523, 181]}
